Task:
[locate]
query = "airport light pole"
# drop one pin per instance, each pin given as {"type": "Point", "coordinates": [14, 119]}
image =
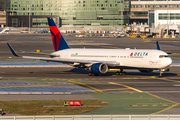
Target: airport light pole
{"type": "Point", "coordinates": [113, 22]}
{"type": "Point", "coordinates": [121, 16]}
{"type": "Point", "coordinates": [29, 18]}
{"type": "Point", "coordinates": [167, 18]}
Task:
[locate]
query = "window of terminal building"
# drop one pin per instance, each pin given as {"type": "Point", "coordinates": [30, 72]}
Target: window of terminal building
{"type": "Point", "coordinates": [151, 6]}
{"type": "Point", "coordinates": [139, 6]}
{"type": "Point", "coordinates": [157, 6]}
{"type": "Point", "coordinates": [99, 18]}
{"type": "Point", "coordinates": [14, 22]}
{"type": "Point", "coordinates": [132, 6]}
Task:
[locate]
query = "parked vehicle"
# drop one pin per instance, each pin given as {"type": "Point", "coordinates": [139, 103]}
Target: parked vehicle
{"type": "Point", "coordinates": [41, 31]}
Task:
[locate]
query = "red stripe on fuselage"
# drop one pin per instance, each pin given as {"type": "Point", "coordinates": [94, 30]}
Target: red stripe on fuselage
{"type": "Point", "coordinates": [58, 35]}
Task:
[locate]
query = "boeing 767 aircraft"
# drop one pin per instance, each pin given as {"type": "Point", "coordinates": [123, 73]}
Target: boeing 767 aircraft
{"type": "Point", "coordinates": [98, 61]}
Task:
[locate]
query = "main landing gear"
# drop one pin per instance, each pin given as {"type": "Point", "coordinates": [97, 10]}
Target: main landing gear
{"type": "Point", "coordinates": [93, 74]}
{"type": "Point", "coordinates": [121, 72]}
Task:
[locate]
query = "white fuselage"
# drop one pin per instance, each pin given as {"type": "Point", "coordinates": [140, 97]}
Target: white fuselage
{"type": "Point", "coordinates": [137, 58]}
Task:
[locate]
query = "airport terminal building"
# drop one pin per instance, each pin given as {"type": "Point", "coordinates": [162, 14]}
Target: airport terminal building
{"type": "Point", "coordinates": [140, 9]}
{"type": "Point", "coordinates": [72, 13]}
{"type": "Point", "coordinates": [2, 13]}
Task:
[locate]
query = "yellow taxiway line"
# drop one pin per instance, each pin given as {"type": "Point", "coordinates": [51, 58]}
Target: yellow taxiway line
{"type": "Point", "coordinates": [175, 103]}
{"type": "Point", "coordinates": [126, 86]}
{"type": "Point", "coordinates": [85, 85]}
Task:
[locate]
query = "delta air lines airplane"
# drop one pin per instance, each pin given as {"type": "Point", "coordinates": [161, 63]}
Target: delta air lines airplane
{"type": "Point", "coordinates": [98, 61]}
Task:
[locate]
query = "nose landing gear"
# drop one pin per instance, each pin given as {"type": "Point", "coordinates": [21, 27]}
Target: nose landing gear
{"type": "Point", "coordinates": [160, 73]}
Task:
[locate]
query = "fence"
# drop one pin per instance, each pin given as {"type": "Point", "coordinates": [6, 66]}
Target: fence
{"type": "Point", "coordinates": [93, 117]}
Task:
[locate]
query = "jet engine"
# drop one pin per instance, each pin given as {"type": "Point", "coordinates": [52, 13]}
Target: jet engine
{"type": "Point", "coordinates": [146, 71]}
{"type": "Point", "coordinates": [99, 68]}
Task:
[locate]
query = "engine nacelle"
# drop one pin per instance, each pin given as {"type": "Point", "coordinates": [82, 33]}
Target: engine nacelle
{"type": "Point", "coordinates": [146, 71]}
{"type": "Point", "coordinates": [99, 68]}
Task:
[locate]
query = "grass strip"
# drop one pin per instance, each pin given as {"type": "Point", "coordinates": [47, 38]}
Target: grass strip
{"type": "Point", "coordinates": [35, 107]}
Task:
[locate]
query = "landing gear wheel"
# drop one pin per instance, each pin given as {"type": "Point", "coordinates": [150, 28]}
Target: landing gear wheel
{"type": "Point", "coordinates": [91, 74]}
{"type": "Point", "coordinates": [160, 74]}
{"type": "Point", "coordinates": [123, 73]}
{"type": "Point", "coordinates": [117, 73]}
{"type": "Point", "coordinates": [96, 74]}
{"type": "Point", "coordinates": [120, 73]}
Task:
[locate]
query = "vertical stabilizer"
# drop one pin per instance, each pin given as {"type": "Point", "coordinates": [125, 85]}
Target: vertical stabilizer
{"type": "Point", "coordinates": [158, 46]}
{"type": "Point", "coordinates": [58, 40]}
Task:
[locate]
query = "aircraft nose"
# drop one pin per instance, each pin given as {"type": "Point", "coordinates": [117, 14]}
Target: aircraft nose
{"type": "Point", "coordinates": [169, 61]}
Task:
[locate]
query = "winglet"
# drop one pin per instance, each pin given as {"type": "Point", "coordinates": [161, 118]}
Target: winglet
{"type": "Point", "coordinates": [158, 47]}
{"type": "Point", "coordinates": [12, 50]}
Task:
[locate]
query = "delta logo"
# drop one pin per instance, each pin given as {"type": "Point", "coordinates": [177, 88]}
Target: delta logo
{"type": "Point", "coordinates": [139, 54]}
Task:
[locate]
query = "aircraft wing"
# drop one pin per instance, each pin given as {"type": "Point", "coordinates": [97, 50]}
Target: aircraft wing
{"type": "Point", "coordinates": [62, 60]}
{"type": "Point", "coordinates": [40, 53]}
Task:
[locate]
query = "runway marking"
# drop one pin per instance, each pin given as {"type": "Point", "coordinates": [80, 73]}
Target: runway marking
{"type": "Point", "coordinates": [85, 85]}
{"type": "Point", "coordinates": [152, 105]}
{"type": "Point", "coordinates": [143, 108]}
{"type": "Point", "coordinates": [114, 89]}
{"type": "Point", "coordinates": [166, 79]}
{"type": "Point", "coordinates": [104, 89]}
{"type": "Point", "coordinates": [165, 109]}
{"type": "Point", "coordinates": [166, 100]}
{"type": "Point", "coordinates": [147, 40]}
{"type": "Point", "coordinates": [125, 86]}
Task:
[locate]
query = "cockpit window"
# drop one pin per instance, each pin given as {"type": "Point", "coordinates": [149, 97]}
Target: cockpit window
{"type": "Point", "coordinates": [162, 56]}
